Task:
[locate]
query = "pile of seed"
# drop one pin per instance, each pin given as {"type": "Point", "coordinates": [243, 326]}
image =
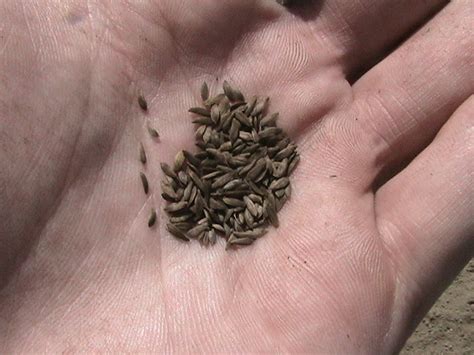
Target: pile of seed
{"type": "Point", "coordinates": [238, 180]}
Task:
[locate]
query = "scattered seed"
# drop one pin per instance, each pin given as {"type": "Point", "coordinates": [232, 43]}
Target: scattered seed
{"type": "Point", "coordinates": [153, 132]}
{"type": "Point", "coordinates": [144, 182]}
{"type": "Point", "coordinates": [152, 219]}
{"type": "Point", "coordinates": [142, 103]}
{"type": "Point", "coordinates": [142, 154]}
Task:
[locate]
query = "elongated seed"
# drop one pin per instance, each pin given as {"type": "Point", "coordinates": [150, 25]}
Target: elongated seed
{"type": "Point", "coordinates": [142, 154]}
{"type": "Point", "coordinates": [204, 91]}
{"type": "Point", "coordinates": [255, 233]}
{"type": "Point", "coordinates": [200, 111]}
{"type": "Point", "coordinates": [153, 132]}
{"type": "Point", "coordinates": [144, 182]}
{"type": "Point", "coordinates": [168, 171]}
{"type": "Point", "coordinates": [176, 206]}
{"type": "Point", "coordinates": [279, 184]}
{"type": "Point", "coordinates": [152, 218]}
{"type": "Point", "coordinates": [142, 102]}
{"type": "Point", "coordinates": [175, 231]}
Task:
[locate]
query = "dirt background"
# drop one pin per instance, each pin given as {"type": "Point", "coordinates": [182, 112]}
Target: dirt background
{"type": "Point", "coordinates": [448, 328]}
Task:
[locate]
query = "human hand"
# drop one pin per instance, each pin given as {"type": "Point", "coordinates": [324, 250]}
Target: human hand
{"type": "Point", "coordinates": [359, 256]}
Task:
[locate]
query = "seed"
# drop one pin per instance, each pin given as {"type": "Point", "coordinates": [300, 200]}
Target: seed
{"type": "Point", "coordinates": [269, 120]}
{"type": "Point", "coordinates": [176, 206]}
{"type": "Point", "coordinates": [168, 171]}
{"type": "Point", "coordinates": [257, 169]}
{"type": "Point", "coordinates": [142, 154]}
{"type": "Point", "coordinates": [144, 182]}
{"type": "Point", "coordinates": [153, 132]}
{"type": "Point", "coordinates": [260, 107]}
{"type": "Point", "coordinates": [197, 181]}
{"type": "Point", "coordinates": [191, 158]}
{"type": "Point", "coordinates": [142, 102]}
{"type": "Point", "coordinates": [251, 206]}
{"type": "Point", "coordinates": [179, 160]}
{"type": "Point", "coordinates": [175, 231]}
{"type": "Point", "coordinates": [242, 241]}
{"type": "Point", "coordinates": [279, 184]}
{"type": "Point", "coordinates": [254, 234]}
{"type": "Point", "coordinates": [234, 130]}
{"type": "Point", "coordinates": [232, 94]}
{"type": "Point", "coordinates": [233, 202]}
{"type": "Point", "coordinates": [215, 114]}
{"type": "Point", "coordinates": [221, 181]}
{"type": "Point", "coordinates": [152, 219]}
{"type": "Point", "coordinates": [204, 91]}
{"type": "Point", "coordinates": [197, 230]}
{"type": "Point", "coordinates": [294, 162]}
{"type": "Point", "coordinates": [245, 120]}
{"type": "Point", "coordinates": [285, 153]}
{"type": "Point", "coordinates": [200, 111]}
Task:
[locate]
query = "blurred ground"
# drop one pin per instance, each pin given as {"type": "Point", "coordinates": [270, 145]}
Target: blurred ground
{"type": "Point", "coordinates": [448, 328]}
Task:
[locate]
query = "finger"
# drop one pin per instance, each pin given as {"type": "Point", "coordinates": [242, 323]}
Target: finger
{"type": "Point", "coordinates": [424, 215]}
{"type": "Point", "coordinates": [402, 102]}
{"type": "Point", "coordinates": [362, 30]}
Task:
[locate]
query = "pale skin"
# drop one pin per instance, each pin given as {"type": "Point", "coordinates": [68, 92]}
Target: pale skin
{"type": "Point", "coordinates": [379, 223]}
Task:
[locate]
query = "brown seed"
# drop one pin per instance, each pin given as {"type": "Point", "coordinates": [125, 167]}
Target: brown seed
{"type": "Point", "coordinates": [187, 191]}
{"type": "Point", "coordinates": [168, 192]}
{"type": "Point", "coordinates": [212, 236]}
{"type": "Point", "coordinates": [176, 206]}
{"type": "Point", "coordinates": [191, 158]}
{"type": "Point", "coordinates": [249, 220]}
{"type": "Point", "coordinates": [197, 230]}
{"type": "Point", "coordinates": [215, 115]}
{"type": "Point", "coordinates": [153, 132]}
{"type": "Point", "coordinates": [285, 153]}
{"type": "Point", "coordinates": [179, 160]}
{"type": "Point", "coordinates": [218, 228]}
{"type": "Point", "coordinates": [214, 100]}
{"type": "Point", "coordinates": [269, 132]}
{"type": "Point", "coordinates": [175, 231]}
{"type": "Point", "coordinates": [260, 107]}
{"type": "Point", "coordinates": [168, 171]}
{"type": "Point", "coordinates": [288, 191]}
{"type": "Point", "coordinates": [280, 168]}
{"type": "Point", "coordinates": [216, 204]}
{"type": "Point", "coordinates": [197, 181]}
{"type": "Point", "coordinates": [269, 120]}
{"type": "Point", "coordinates": [251, 206]}
{"type": "Point", "coordinates": [242, 118]}
{"type": "Point", "coordinates": [182, 218]}
{"type": "Point", "coordinates": [224, 106]}
{"type": "Point", "coordinates": [254, 234]}
{"type": "Point", "coordinates": [251, 105]}
{"type": "Point", "coordinates": [204, 91]}
{"type": "Point", "coordinates": [142, 154]}
{"type": "Point", "coordinates": [279, 184]}
{"type": "Point", "coordinates": [242, 241]}
{"type": "Point", "coordinates": [234, 130]}
{"type": "Point", "coordinates": [152, 219]}
{"type": "Point", "coordinates": [144, 182]}
{"type": "Point", "coordinates": [280, 193]}
{"type": "Point", "coordinates": [200, 111]}
{"type": "Point", "coordinates": [294, 162]}
{"type": "Point", "coordinates": [233, 94]}
{"type": "Point", "coordinates": [142, 102]}
{"type": "Point", "coordinates": [260, 165]}
{"type": "Point", "coordinates": [233, 202]}
{"type": "Point", "coordinates": [221, 181]}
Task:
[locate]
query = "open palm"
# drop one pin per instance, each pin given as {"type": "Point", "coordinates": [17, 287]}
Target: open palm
{"type": "Point", "coordinates": [366, 242]}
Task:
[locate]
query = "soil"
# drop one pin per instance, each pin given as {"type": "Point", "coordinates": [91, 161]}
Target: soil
{"type": "Point", "coordinates": [448, 328]}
